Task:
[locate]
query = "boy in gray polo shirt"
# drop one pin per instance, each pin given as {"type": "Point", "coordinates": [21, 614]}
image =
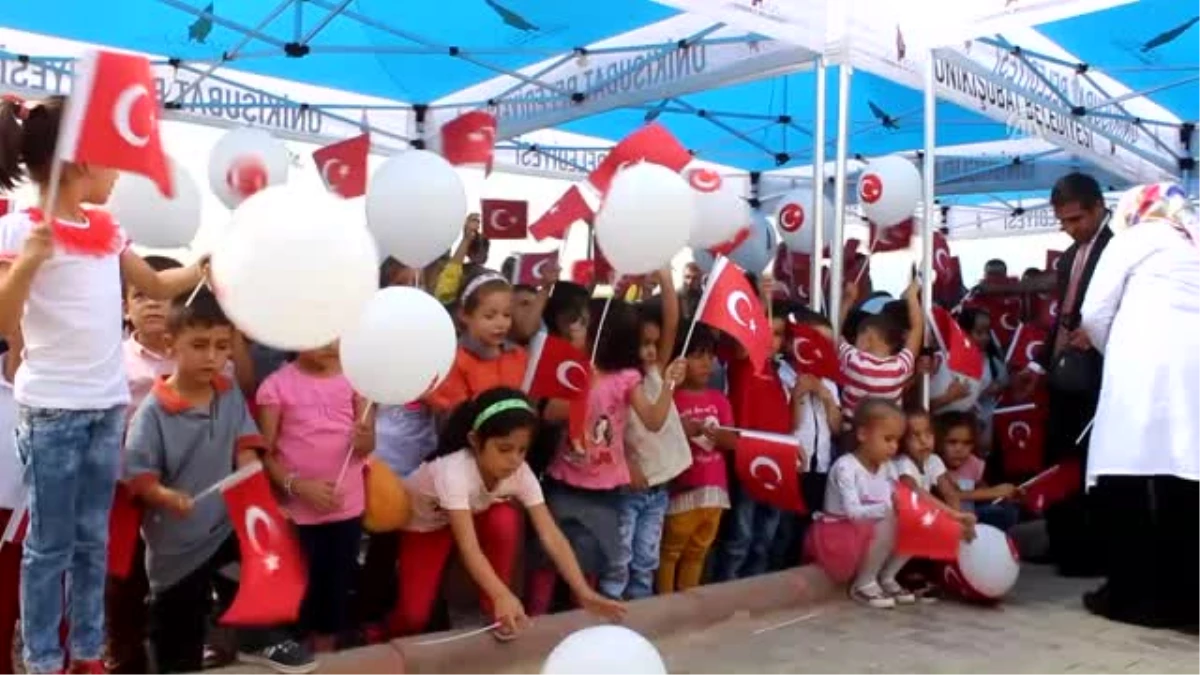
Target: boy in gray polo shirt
{"type": "Point", "coordinates": [187, 435]}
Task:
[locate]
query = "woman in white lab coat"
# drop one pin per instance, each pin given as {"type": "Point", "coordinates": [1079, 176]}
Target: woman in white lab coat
{"type": "Point", "coordinates": [1142, 311]}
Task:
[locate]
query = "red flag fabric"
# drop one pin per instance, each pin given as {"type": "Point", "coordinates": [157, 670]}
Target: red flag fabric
{"type": "Point", "coordinates": [504, 218]}
{"type": "Point", "coordinates": [923, 528]}
{"type": "Point", "coordinates": [583, 272]}
{"type": "Point", "coordinates": [945, 267]}
{"type": "Point", "coordinates": [813, 352]}
{"type": "Point", "coordinates": [124, 521]}
{"type": "Point", "coordinates": [554, 223]}
{"type": "Point", "coordinates": [111, 118]}
{"type": "Point", "coordinates": [1052, 257]}
{"type": "Point", "coordinates": [605, 274]}
{"type": "Point", "coordinates": [730, 305]}
{"type": "Point", "coordinates": [530, 268]}
{"type": "Point", "coordinates": [766, 466]}
{"type": "Point", "coordinates": [651, 143]}
{"type": "Point", "coordinates": [470, 139]}
{"type": "Point", "coordinates": [1044, 310]}
{"type": "Point", "coordinates": [557, 370]}
{"type": "Point", "coordinates": [1004, 310]}
{"type": "Point", "coordinates": [962, 355]}
{"type": "Point", "coordinates": [273, 575]}
{"type": "Point", "coordinates": [895, 238]}
{"type": "Point", "coordinates": [792, 270]}
{"type": "Point", "coordinates": [5, 206]}
{"type": "Point", "coordinates": [1027, 343]}
{"type": "Point", "coordinates": [730, 245]}
{"type": "Point", "coordinates": [343, 166]}
{"type": "Point", "coordinates": [1020, 435]}
{"type": "Point", "coordinates": [1053, 485]}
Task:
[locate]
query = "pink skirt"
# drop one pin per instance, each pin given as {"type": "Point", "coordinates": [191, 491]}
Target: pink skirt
{"type": "Point", "coordinates": [838, 545]}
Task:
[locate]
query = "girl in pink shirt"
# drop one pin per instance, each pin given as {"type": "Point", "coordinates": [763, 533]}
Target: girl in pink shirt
{"type": "Point", "coordinates": [588, 477]}
{"type": "Point", "coordinates": [319, 437]}
{"type": "Point", "coordinates": [459, 500]}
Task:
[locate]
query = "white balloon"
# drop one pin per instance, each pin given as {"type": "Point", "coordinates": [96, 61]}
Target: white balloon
{"type": "Point", "coordinates": [988, 564]}
{"type": "Point", "coordinates": [401, 347]}
{"type": "Point", "coordinates": [416, 205]}
{"type": "Point", "coordinates": [889, 190]}
{"type": "Point", "coordinates": [295, 268]}
{"type": "Point", "coordinates": [151, 219]}
{"type": "Point", "coordinates": [604, 650]}
{"type": "Point", "coordinates": [752, 255]}
{"type": "Point", "coordinates": [646, 218]}
{"type": "Point", "coordinates": [795, 219]}
{"type": "Point", "coordinates": [720, 209]}
{"type": "Point", "coordinates": [244, 159]}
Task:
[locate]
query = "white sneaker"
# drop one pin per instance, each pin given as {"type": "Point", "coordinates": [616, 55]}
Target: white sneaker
{"type": "Point", "coordinates": [872, 596]}
{"type": "Point", "coordinates": [897, 592]}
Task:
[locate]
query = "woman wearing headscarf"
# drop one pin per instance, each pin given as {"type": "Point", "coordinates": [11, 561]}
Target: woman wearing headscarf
{"type": "Point", "coordinates": [1142, 311]}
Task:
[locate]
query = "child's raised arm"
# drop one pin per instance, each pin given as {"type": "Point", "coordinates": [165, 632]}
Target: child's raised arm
{"type": "Point", "coordinates": [164, 285]}
{"type": "Point", "coordinates": [653, 414]}
{"type": "Point", "coordinates": [670, 317]}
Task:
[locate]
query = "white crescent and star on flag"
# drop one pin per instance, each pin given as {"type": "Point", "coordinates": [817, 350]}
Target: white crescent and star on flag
{"type": "Point", "coordinates": [254, 516]}
{"type": "Point", "coordinates": [732, 305]}
{"type": "Point", "coordinates": [563, 373]}
{"type": "Point", "coordinates": [772, 467]}
{"type": "Point", "coordinates": [123, 115]}
{"type": "Point", "coordinates": [500, 220]}
{"type": "Point", "coordinates": [1019, 432]}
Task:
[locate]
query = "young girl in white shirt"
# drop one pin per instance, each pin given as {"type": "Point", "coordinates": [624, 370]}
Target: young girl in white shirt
{"type": "Point", "coordinates": [61, 267]}
{"type": "Point", "coordinates": [459, 501]}
{"type": "Point", "coordinates": [854, 536]}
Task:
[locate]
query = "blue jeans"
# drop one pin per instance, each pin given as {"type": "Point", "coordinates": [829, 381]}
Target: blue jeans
{"type": "Point", "coordinates": [746, 551]}
{"type": "Point", "coordinates": [631, 576]}
{"type": "Point", "coordinates": [70, 460]}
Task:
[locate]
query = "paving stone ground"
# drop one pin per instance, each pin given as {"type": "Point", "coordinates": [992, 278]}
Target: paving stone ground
{"type": "Point", "coordinates": [1040, 628]}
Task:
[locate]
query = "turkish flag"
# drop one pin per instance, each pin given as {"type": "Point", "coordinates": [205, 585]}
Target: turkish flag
{"type": "Point", "coordinates": [895, 238]}
{"type": "Point", "coordinates": [124, 523]}
{"type": "Point", "coordinates": [923, 528]}
{"type": "Point", "coordinates": [1045, 310]}
{"type": "Point", "coordinates": [651, 143]}
{"type": "Point", "coordinates": [18, 524]}
{"type": "Point", "coordinates": [583, 272]}
{"type": "Point", "coordinates": [1005, 311]}
{"type": "Point", "coordinates": [767, 469]}
{"type": "Point", "coordinates": [946, 271]}
{"type": "Point", "coordinates": [470, 139]}
{"type": "Point", "coordinates": [557, 370]}
{"type": "Point", "coordinates": [855, 265]}
{"type": "Point", "coordinates": [1051, 486]}
{"type": "Point", "coordinates": [730, 305]}
{"type": "Point", "coordinates": [791, 269]}
{"type": "Point", "coordinates": [554, 223]}
{"type": "Point", "coordinates": [530, 268]}
{"type": "Point", "coordinates": [111, 118]}
{"type": "Point", "coordinates": [343, 166]}
{"type": "Point", "coordinates": [962, 354]}
{"type": "Point", "coordinates": [504, 218]}
{"type": "Point", "coordinates": [273, 576]}
{"type": "Point", "coordinates": [1021, 436]}
{"type": "Point", "coordinates": [1027, 343]}
{"type": "Point", "coordinates": [814, 352]}
{"type": "Point", "coordinates": [1052, 257]}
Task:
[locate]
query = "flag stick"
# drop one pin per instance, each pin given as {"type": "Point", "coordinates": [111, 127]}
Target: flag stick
{"type": "Point", "coordinates": [235, 477]}
{"type": "Point", "coordinates": [1031, 481]}
{"type": "Point", "coordinates": [863, 270]}
{"type": "Point", "coordinates": [15, 518]}
{"type": "Point", "coordinates": [196, 291]}
{"type": "Point", "coordinates": [1086, 429]}
{"type": "Point", "coordinates": [717, 268]}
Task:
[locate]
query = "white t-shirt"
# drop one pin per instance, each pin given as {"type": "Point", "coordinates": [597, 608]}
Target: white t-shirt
{"type": "Point", "coordinates": [660, 455]}
{"type": "Point", "coordinates": [939, 383]}
{"type": "Point", "coordinates": [453, 483]}
{"type": "Point", "coordinates": [812, 428]}
{"type": "Point", "coordinates": [926, 476]}
{"type": "Point", "coordinates": [856, 493]}
{"type": "Point", "coordinates": [72, 327]}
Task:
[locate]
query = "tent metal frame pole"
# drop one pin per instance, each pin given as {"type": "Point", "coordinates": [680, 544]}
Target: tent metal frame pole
{"type": "Point", "coordinates": [837, 264]}
{"type": "Point", "coordinates": [231, 54]}
{"type": "Point", "coordinates": [928, 175]}
{"type": "Point", "coordinates": [818, 188]}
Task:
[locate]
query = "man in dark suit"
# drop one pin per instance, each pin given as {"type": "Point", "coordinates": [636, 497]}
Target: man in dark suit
{"type": "Point", "coordinates": [1072, 367]}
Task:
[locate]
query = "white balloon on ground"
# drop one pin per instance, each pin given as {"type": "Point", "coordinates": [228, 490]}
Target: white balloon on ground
{"type": "Point", "coordinates": [889, 190]}
{"type": "Point", "coordinates": [244, 161]}
{"type": "Point", "coordinates": [720, 209]}
{"type": "Point", "coordinates": [646, 218]}
{"type": "Point", "coordinates": [988, 564]}
{"type": "Point", "coordinates": [295, 268]}
{"type": "Point", "coordinates": [796, 219]}
{"type": "Point", "coordinates": [604, 650]}
{"type": "Point", "coordinates": [151, 219]}
{"type": "Point", "coordinates": [416, 204]}
{"type": "Point", "coordinates": [402, 346]}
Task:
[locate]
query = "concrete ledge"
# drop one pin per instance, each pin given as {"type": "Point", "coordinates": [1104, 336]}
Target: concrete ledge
{"type": "Point", "coordinates": [654, 617]}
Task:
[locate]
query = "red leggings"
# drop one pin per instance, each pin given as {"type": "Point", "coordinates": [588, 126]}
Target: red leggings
{"type": "Point", "coordinates": [422, 558]}
{"type": "Point", "coordinates": [10, 595]}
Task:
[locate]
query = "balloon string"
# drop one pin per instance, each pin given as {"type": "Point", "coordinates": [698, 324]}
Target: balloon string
{"type": "Point", "coordinates": [600, 326]}
{"type": "Point", "coordinates": [460, 636]}
{"type": "Point", "coordinates": [862, 270]}
{"type": "Point", "coordinates": [362, 419]}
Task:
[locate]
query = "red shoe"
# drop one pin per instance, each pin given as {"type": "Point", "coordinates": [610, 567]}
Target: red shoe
{"type": "Point", "coordinates": [93, 667]}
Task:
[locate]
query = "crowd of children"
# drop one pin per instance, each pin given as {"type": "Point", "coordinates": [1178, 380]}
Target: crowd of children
{"type": "Point", "coordinates": [643, 500]}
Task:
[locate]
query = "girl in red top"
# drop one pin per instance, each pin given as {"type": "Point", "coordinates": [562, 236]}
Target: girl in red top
{"type": "Point", "coordinates": [485, 359]}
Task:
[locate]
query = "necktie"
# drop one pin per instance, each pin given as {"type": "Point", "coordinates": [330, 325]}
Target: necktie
{"type": "Point", "coordinates": [1068, 304]}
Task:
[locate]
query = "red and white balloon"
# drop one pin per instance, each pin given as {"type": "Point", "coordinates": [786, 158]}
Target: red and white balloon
{"type": "Point", "coordinates": [889, 190]}
{"type": "Point", "coordinates": [245, 161]}
{"type": "Point", "coordinates": [987, 567]}
{"type": "Point", "coordinates": [796, 220]}
{"type": "Point", "coordinates": [720, 209]}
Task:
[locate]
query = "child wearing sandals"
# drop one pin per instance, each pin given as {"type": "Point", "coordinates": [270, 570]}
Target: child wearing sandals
{"type": "Point", "coordinates": [854, 535]}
